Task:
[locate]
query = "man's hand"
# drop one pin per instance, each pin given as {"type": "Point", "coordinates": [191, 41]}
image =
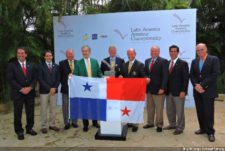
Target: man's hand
{"type": "Point", "coordinates": [199, 88]}
{"type": "Point", "coordinates": [120, 76]}
{"type": "Point", "coordinates": [148, 80]}
{"type": "Point", "coordinates": [52, 91]}
{"type": "Point", "coordinates": [70, 76]}
{"type": "Point", "coordinates": [26, 90]}
{"type": "Point", "coordinates": [182, 95]}
{"type": "Point", "coordinates": [160, 92]}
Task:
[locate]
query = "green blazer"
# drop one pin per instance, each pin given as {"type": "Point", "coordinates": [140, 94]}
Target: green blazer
{"type": "Point", "coordinates": [80, 68]}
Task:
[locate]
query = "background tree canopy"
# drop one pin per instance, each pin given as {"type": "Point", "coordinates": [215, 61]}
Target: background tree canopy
{"type": "Point", "coordinates": [29, 23]}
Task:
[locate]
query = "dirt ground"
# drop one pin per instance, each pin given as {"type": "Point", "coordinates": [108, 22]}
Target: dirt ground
{"type": "Point", "coordinates": [143, 138]}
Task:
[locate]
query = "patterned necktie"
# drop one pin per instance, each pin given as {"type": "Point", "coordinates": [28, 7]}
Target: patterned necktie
{"type": "Point", "coordinates": [171, 67]}
{"type": "Point", "coordinates": [71, 64]}
{"type": "Point", "coordinates": [88, 68]}
{"type": "Point", "coordinates": [151, 65]}
{"type": "Point", "coordinates": [129, 66]}
{"type": "Point", "coordinates": [50, 67]}
{"type": "Point", "coordinates": [24, 69]}
{"type": "Point", "coordinates": [112, 64]}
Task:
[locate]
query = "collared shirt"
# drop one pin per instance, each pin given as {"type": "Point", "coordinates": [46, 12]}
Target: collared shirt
{"type": "Point", "coordinates": [24, 63]}
{"type": "Point", "coordinates": [112, 58]}
{"type": "Point", "coordinates": [201, 62]}
{"type": "Point", "coordinates": [174, 62]}
{"type": "Point", "coordinates": [49, 64]}
{"type": "Point", "coordinates": [132, 62]}
{"type": "Point", "coordinates": [70, 60]}
{"type": "Point", "coordinates": [151, 61]}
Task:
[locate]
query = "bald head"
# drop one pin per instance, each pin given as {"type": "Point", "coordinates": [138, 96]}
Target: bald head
{"type": "Point", "coordinates": [201, 50]}
{"type": "Point", "coordinates": [155, 51]}
{"type": "Point", "coordinates": [131, 54]}
{"type": "Point", "coordinates": [69, 54]}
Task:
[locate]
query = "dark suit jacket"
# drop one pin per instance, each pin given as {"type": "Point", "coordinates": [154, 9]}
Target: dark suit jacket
{"type": "Point", "coordinates": [136, 71]}
{"type": "Point", "coordinates": [207, 78]}
{"type": "Point", "coordinates": [119, 63]}
{"type": "Point", "coordinates": [18, 80]}
{"type": "Point", "coordinates": [158, 75]}
{"type": "Point", "coordinates": [64, 72]}
{"type": "Point", "coordinates": [48, 79]}
{"type": "Point", "coordinates": [179, 78]}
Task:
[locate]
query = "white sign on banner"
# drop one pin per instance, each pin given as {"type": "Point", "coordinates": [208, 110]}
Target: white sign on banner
{"type": "Point", "coordinates": [139, 30]}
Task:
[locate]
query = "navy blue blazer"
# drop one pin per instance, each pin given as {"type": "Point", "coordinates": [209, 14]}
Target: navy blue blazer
{"type": "Point", "coordinates": [207, 78]}
{"type": "Point", "coordinates": [136, 71]}
{"type": "Point", "coordinates": [119, 64]}
{"type": "Point", "coordinates": [48, 78]}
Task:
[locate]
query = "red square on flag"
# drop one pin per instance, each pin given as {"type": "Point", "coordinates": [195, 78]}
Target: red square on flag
{"type": "Point", "coordinates": [130, 89]}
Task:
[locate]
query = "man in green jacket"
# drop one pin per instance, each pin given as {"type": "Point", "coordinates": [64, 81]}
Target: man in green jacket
{"type": "Point", "coordinates": [87, 67]}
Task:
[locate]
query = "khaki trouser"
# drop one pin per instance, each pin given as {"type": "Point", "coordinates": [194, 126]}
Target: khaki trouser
{"type": "Point", "coordinates": [175, 108]}
{"type": "Point", "coordinates": [48, 100]}
{"type": "Point", "coordinates": [155, 105]}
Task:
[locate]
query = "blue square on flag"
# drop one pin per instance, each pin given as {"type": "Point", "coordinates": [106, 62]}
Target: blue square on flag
{"type": "Point", "coordinates": [94, 36]}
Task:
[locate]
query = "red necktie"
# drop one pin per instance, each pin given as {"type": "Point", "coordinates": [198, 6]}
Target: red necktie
{"type": "Point", "coordinates": [24, 69]}
{"type": "Point", "coordinates": [151, 65]}
{"type": "Point", "coordinates": [171, 67]}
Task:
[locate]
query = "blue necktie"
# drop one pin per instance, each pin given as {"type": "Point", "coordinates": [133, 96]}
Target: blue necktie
{"type": "Point", "coordinates": [200, 65]}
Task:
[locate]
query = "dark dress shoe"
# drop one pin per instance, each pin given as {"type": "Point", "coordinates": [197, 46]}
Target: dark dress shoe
{"type": "Point", "coordinates": [20, 136]}
{"type": "Point", "coordinates": [44, 130]}
{"type": "Point", "coordinates": [54, 128]}
{"type": "Point", "coordinates": [211, 138]}
{"type": "Point", "coordinates": [177, 132]}
{"type": "Point", "coordinates": [148, 126]}
{"type": "Point", "coordinates": [96, 125]}
{"type": "Point", "coordinates": [159, 129]}
{"type": "Point", "coordinates": [169, 128]}
{"type": "Point", "coordinates": [74, 125]}
{"type": "Point", "coordinates": [67, 126]}
{"type": "Point", "coordinates": [199, 132]}
{"type": "Point", "coordinates": [85, 129]}
{"type": "Point", "coordinates": [129, 125]}
{"type": "Point", "coordinates": [134, 129]}
{"type": "Point", "coordinates": [32, 132]}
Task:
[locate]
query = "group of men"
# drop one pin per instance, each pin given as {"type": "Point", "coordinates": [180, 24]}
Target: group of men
{"type": "Point", "coordinates": [166, 80]}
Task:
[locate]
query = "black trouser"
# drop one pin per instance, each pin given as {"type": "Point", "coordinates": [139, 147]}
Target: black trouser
{"type": "Point", "coordinates": [205, 112]}
{"type": "Point", "coordinates": [29, 109]}
{"type": "Point", "coordinates": [86, 122]}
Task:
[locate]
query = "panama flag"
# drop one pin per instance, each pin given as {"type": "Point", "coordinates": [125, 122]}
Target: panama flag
{"type": "Point", "coordinates": [107, 99]}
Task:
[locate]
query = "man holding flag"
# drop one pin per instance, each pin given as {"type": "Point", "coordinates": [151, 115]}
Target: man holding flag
{"type": "Point", "coordinates": [132, 69]}
{"type": "Point", "coordinates": [87, 67]}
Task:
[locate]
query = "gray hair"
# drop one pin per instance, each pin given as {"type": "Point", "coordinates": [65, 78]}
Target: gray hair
{"type": "Point", "coordinates": [87, 47]}
{"type": "Point", "coordinates": [112, 46]}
